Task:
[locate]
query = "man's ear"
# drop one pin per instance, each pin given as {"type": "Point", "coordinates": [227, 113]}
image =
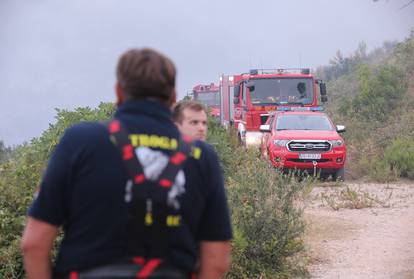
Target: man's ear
{"type": "Point", "coordinates": [120, 96]}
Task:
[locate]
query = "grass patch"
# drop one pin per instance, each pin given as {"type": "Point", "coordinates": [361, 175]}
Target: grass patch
{"type": "Point", "coordinates": [354, 199]}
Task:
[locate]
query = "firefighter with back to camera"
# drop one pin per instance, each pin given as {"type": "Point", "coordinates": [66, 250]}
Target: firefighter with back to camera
{"type": "Point", "coordinates": [133, 197]}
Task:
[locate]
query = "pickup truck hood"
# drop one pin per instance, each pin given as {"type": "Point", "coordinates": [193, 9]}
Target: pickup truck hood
{"type": "Point", "coordinates": [306, 134]}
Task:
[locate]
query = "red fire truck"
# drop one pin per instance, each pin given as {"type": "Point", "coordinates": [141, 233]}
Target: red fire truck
{"type": "Point", "coordinates": [247, 99]}
{"type": "Point", "coordinates": [209, 95]}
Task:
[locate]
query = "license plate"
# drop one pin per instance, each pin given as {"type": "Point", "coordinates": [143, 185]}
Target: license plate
{"type": "Point", "coordinates": [311, 156]}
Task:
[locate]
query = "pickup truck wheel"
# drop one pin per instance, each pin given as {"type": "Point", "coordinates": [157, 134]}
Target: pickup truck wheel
{"type": "Point", "coordinates": [339, 175]}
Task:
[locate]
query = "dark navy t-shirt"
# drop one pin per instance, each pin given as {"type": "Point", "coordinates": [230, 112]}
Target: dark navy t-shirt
{"type": "Point", "coordinates": [83, 190]}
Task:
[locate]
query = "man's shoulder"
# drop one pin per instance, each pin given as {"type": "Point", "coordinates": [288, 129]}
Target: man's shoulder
{"type": "Point", "coordinates": [205, 146]}
{"type": "Point", "coordinates": [85, 132]}
{"type": "Point", "coordinates": [88, 126]}
{"type": "Point", "coordinates": [204, 152]}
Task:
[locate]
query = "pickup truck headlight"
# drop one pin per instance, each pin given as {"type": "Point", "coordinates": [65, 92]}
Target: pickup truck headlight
{"type": "Point", "coordinates": [280, 142]}
{"type": "Point", "coordinates": [336, 143]}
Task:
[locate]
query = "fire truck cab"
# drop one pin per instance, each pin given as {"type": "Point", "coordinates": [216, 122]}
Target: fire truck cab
{"type": "Point", "coordinates": [247, 99]}
{"type": "Point", "coordinates": [209, 96]}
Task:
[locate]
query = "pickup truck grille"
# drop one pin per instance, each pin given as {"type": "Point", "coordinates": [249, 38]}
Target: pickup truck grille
{"type": "Point", "coordinates": [309, 160]}
{"type": "Point", "coordinates": [306, 145]}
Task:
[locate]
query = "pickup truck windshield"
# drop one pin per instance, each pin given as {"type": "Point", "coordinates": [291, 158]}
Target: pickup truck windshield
{"type": "Point", "coordinates": [303, 122]}
{"type": "Point", "coordinates": [282, 91]}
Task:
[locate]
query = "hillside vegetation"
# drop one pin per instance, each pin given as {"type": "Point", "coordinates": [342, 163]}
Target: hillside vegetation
{"type": "Point", "coordinates": [373, 95]}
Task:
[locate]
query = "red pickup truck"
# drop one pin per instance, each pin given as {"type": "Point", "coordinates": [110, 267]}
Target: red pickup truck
{"type": "Point", "coordinates": [304, 139]}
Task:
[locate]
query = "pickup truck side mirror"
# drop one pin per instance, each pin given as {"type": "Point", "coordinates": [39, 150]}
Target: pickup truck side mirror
{"type": "Point", "coordinates": [340, 128]}
{"type": "Point", "coordinates": [265, 128]}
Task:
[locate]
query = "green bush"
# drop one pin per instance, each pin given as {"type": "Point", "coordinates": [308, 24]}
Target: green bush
{"type": "Point", "coordinates": [19, 178]}
{"type": "Point", "coordinates": [399, 157]}
{"type": "Point", "coordinates": [379, 93]}
{"type": "Point", "coordinates": [263, 213]}
{"type": "Point", "coordinates": [267, 225]}
{"type": "Point", "coordinates": [381, 172]}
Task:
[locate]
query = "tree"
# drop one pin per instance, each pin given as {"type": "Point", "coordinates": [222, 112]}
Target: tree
{"type": "Point", "coordinates": [4, 152]}
{"type": "Point", "coordinates": [408, 3]}
{"type": "Point", "coordinates": [379, 93]}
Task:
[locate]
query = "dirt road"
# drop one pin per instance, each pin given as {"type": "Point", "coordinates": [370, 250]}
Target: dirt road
{"type": "Point", "coordinates": [375, 241]}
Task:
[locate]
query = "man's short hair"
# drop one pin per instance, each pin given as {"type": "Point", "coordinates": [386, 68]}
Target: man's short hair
{"type": "Point", "coordinates": [144, 73]}
{"type": "Point", "coordinates": [177, 113]}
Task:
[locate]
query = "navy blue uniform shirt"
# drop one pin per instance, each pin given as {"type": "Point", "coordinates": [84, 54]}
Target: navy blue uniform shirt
{"type": "Point", "coordinates": [83, 190]}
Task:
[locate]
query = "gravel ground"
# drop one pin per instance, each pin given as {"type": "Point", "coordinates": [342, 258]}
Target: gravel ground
{"type": "Point", "coordinates": [375, 241]}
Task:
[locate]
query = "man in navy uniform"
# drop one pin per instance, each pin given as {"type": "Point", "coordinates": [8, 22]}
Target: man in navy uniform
{"type": "Point", "coordinates": [86, 188]}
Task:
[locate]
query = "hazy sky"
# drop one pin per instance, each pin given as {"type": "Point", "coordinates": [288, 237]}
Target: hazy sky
{"type": "Point", "coordinates": [62, 54]}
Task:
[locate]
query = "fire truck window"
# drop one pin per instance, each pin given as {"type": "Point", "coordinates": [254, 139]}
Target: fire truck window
{"type": "Point", "coordinates": [243, 93]}
{"type": "Point", "coordinates": [209, 99]}
{"type": "Point", "coordinates": [302, 90]}
{"type": "Point", "coordinates": [282, 91]}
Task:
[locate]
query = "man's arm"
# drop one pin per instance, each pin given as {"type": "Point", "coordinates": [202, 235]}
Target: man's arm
{"type": "Point", "coordinates": [215, 227]}
{"type": "Point", "coordinates": [214, 259]}
{"type": "Point", "coordinates": [37, 243]}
